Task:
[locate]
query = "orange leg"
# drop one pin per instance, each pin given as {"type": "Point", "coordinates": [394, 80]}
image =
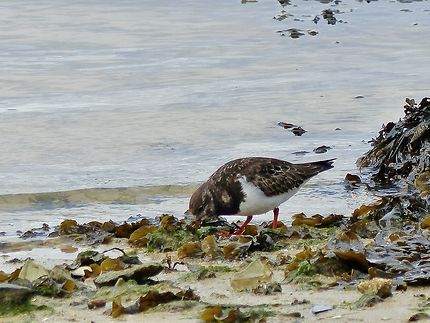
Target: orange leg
{"type": "Point", "coordinates": [240, 230]}
{"type": "Point", "coordinates": [275, 218]}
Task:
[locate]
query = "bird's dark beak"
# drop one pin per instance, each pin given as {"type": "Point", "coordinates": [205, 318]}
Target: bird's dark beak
{"type": "Point", "coordinates": [188, 212]}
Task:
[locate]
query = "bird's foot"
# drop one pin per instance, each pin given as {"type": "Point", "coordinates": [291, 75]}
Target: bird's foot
{"type": "Point", "coordinates": [242, 228]}
{"type": "Point", "coordinates": [239, 231]}
{"type": "Point", "coordinates": [275, 218]}
{"type": "Point", "coordinates": [224, 234]}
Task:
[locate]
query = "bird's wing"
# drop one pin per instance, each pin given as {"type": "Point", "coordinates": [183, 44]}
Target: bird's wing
{"type": "Point", "coordinates": [275, 177]}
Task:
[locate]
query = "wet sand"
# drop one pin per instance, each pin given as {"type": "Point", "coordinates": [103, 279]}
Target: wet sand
{"type": "Point", "coordinates": [397, 308]}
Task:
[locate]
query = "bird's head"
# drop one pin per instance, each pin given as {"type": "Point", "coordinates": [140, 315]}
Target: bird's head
{"type": "Point", "coordinates": [201, 204]}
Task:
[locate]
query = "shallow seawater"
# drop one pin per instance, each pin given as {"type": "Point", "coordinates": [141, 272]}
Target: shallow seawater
{"type": "Point", "coordinates": [112, 109]}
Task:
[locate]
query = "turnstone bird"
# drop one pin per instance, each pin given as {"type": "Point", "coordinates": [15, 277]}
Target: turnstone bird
{"type": "Point", "coordinates": [251, 186]}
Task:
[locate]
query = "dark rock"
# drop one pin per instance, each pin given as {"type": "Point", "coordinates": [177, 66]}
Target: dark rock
{"type": "Point", "coordinates": [13, 294]}
{"type": "Point", "coordinates": [298, 131]}
{"type": "Point", "coordinates": [322, 149]}
{"type": "Point", "coordinates": [139, 273]}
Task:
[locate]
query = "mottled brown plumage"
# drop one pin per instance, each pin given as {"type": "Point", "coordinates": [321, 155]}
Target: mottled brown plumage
{"type": "Point", "coordinates": [223, 193]}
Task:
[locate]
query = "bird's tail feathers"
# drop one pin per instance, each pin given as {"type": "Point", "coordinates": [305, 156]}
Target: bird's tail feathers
{"type": "Point", "coordinates": [319, 166]}
{"type": "Point", "coordinates": [325, 164]}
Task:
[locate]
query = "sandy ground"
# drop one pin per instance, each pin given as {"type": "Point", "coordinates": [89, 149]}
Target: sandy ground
{"type": "Point", "coordinates": [397, 308]}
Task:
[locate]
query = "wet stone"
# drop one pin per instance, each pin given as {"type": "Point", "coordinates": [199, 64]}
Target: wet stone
{"type": "Point", "coordinates": [321, 308]}
{"type": "Point", "coordinates": [322, 149]}
{"type": "Point", "coordinates": [352, 179]}
{"type": "Point", "coordinates": [286, 125]}
{"type": "Point", "coordinates": [367, 300]}
{"type": "Point", "coordinates": [419, 317]}
{"type": "Point", "coordinates": [379, 286]}
{"type": "Point", "coordinates": [253, 275]}
{"type": "Point", "coordinates": [268, 289]}
{"type": "Point", "coordinates": [36, 232]}
{"type": "Point", "coordinates": [97, 303]}
{"type": "Point", "coordinates": [13, 294]}
{"type": "Point", "coordinates": [139, 273]}
{"type": "Point", "coordinates": [297, 302]}
{"type": "Point", "coordinates": [293, 315]}
{"type": "Point", "coordinates": [298, 131]}
{"type": "Point", "coordinates": [31, 271]}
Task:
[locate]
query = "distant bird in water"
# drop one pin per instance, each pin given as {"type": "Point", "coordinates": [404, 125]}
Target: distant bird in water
{"type": "Point", "coordinates": [251, 186]}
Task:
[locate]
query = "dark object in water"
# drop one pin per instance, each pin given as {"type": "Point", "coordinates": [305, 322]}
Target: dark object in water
{"type": "Point", "coordinates": [352, 179]}
{"type": "Point", "coordinates": [284, 2]}
{"type": "Point", "coordinates": [322, 149]}
{"type": "Point", "coordinates": [286, 125]}
{"type": "Point", "coordinates": [300, 153]}
{"type": "Point", "coordinates": [296, 130]}
{"type": "Point", "coordinates": [328, 14]}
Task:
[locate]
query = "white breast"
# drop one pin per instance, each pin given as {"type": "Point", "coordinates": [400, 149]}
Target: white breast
{"type": "Point", "coordinates": [258, 203]}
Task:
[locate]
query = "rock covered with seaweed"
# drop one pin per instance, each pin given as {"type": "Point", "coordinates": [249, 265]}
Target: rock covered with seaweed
{"type": "Point", "coordinates": [399, 221]}
{"type": "Point", "coordinates": [400, 155]}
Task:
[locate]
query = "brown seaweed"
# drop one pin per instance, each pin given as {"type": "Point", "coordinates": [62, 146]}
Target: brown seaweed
{"type": "Point", "coordinates": [400, 153]}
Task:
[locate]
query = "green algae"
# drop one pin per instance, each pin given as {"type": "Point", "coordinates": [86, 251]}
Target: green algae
{"type": "Point", "coordinates": [164, 240]}
{"type": "Point", "coordinates": [22, 308]}
{"type": "Point", "coordinates": [127, 290]}
{"type": "Point", "coordinates": [305, 269]}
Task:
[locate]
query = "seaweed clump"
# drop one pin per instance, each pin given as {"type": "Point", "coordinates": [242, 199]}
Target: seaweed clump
{"type": "Point", "coordinates": [400, 154]}
{"type": "Point", "coordinates": [389, 238]}
{"type": "Point", "coordinates": [398, 222]}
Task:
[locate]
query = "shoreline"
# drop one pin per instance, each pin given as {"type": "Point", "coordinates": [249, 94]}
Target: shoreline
{"type": "Point", "coordinates": [217, 290]}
